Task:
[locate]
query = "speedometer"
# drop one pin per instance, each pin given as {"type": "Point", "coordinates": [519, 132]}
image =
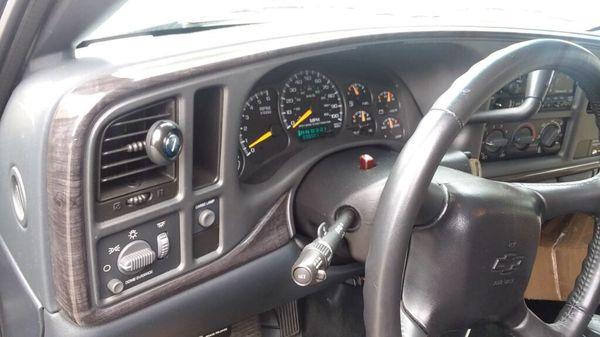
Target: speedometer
{"type": "Point", "coordinates": [311, 105]}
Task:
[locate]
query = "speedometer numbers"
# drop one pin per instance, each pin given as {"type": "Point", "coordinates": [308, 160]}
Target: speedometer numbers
{"type": "Point", "coordinates": [311, 105]}
{"type": "Point", "coordinates": [261, 134]}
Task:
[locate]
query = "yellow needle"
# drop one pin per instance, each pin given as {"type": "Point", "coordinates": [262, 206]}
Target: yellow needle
{"type": "Point", "coordinates": [363, 116]}
{"type": "Point", "coordinates": [302, 118]}
{"type": "Point", "coordinates": [261, 139]}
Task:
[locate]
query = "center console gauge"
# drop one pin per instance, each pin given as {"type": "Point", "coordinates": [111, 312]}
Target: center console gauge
{"type": "Point", "coordinates": [311, 105]}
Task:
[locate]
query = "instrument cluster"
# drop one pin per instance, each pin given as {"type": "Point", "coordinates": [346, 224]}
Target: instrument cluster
{"type": "Point", "coordinates": [292, 110]}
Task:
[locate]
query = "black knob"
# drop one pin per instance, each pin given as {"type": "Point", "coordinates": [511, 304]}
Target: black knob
{"type": "Point", "coordinates": [494, 141]}
{"type": "Point", "coordinates": [164, 142]}
{"type": "Point", "coordinates": [549, 135]}
{"type": "Point", "coordinates": [523, 137]}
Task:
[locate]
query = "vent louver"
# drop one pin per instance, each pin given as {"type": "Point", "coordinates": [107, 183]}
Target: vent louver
{"type": "Point", "coordinates": [124, 165]}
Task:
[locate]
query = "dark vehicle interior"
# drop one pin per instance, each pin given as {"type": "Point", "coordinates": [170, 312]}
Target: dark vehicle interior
{"type": "Point", "coordinates": [261, 180]}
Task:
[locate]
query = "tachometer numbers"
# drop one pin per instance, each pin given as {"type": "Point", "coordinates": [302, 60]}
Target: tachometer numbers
{"type": "Point", "coordinates": [358, 96]}
{"type": "Point", "coordinates": [311, 106]}
{"type": "Point", "coordinates": [261, 134]}
{"type": "Point", "coordinates": [387, 103]}
{"type": "Point", "coordinates": [391, 128]}
{"type": "Point", "coordinates": [363, 124]}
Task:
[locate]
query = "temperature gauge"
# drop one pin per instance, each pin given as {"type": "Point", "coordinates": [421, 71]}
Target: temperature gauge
{"type": "Point", "coordinates": [358, 96]}
{"type": "Point", "coordinates": [362, 123]}
{"type": "Point", "coordinates": [387, 103]}
{"type": "Point", "coordinates": [391, 128]}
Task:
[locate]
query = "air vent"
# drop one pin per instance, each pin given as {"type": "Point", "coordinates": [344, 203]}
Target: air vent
{"type": "Point", "coordinates": [124, 166]}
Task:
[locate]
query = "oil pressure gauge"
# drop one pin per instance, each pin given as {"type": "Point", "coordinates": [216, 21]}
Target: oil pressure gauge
{"type": "Point", "coordinates": [391, 128]}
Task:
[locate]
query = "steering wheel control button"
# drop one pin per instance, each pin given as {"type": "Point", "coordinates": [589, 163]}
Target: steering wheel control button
{"type": "Point", "coordinates": [164, 142]}
{"type": "Point", "coordinates": [366, 162]}
{"type": "Point", "coordinates": [136, 256]}
{"type": "Point", "coordinates": [115, 286]}
{"type": "Point", "coordinates": [205, 237]}
{"type": "Point", "coordinates": [163, 245]}
{"type": "Point", "coordinates": [206, 218]}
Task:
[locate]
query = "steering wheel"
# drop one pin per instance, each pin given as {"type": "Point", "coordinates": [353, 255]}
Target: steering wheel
{"type": "Point", "coordinates": [473, 264]}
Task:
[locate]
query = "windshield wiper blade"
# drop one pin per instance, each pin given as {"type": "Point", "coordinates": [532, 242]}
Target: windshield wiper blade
{"type": "Point", "coordinates": [169, 29]}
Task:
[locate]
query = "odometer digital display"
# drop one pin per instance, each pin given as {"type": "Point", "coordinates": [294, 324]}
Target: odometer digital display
{"type": "Point", "coordinates": [311, 106]}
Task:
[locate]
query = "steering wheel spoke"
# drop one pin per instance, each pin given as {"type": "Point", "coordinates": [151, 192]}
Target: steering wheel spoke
{"type": "Point", "coordinates": [568, 197]}
{"type": "Point", "coordinates": [524, 323]}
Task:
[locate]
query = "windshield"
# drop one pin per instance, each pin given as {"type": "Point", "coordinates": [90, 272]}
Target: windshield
{"type": "Point", "coordinates": [135, 16]}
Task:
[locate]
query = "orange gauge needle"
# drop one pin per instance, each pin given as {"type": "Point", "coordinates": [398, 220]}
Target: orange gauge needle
{"type": "Point", "coordinates": [261, 139]}
{"type": "Point", "coordinates": [363, 116]}
{"type": "Point", "coordinates": [389, 97]}
{"type": "Point", "coordinates": [390, 123]}
{"type": "Point", "coordinates": [356, 92]}
{"type": "Point", "coordinates": [302, 118]}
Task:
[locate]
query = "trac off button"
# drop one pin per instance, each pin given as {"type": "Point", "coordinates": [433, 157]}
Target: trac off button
{"type": "Point", "coordinates": [206, 218]}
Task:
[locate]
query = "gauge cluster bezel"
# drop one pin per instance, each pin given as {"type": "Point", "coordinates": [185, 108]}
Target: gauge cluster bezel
{"type": "Point", "coordinates": [376, 78]}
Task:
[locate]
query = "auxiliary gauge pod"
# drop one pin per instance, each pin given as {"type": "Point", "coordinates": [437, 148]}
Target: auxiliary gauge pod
{"type": "Point", "coordinates": [315, 258]}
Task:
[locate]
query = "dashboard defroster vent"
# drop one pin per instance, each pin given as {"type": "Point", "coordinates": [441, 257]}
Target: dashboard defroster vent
{"type": "Point", "coordinates": [124, 166]}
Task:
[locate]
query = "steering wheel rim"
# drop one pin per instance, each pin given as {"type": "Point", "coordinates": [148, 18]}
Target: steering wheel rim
{"type": "Point", "coordinates": [416, 165]}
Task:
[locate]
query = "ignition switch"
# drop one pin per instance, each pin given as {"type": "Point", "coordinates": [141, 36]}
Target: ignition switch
{"type": "Point", "coordinates": [315, 258]}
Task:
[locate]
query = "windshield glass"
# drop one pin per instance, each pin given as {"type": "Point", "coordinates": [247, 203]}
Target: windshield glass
{"type": "Point", "coordinates": [136, 16]}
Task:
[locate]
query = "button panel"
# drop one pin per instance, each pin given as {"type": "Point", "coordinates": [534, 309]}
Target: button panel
{"type": "Point", "coordinates": [206, 227]}
{"type": "Point", "coordinates": [135, 255]}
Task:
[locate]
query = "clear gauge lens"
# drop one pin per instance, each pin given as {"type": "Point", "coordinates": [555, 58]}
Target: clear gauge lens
{"type": "Point", "coordinates": [362, 123]}
{"type": "Point", "coordinates": [387, 103]}
{"type": "Point", "coordinates": [311, 106]}
{"type": "Point", "coordinates": [358, 96]}
{"type": "Point", "coordinates": [261, 134]}
{"type": "Point", "coordinates": [391, 128]}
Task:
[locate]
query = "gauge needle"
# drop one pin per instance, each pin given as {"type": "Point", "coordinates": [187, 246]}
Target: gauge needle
{"type": "Point", "coordinates": [389, 97]}
{"type": "Point", "coordinates": [261, 139]}
{"type": "Point", "coordinates": [391, 124]}
{"type": "Point", "coordinates": [302, 118]}
{"type": "Point", "coordinates": [356, 92]}
{"type": "Point", "coordinates": [363, 116]}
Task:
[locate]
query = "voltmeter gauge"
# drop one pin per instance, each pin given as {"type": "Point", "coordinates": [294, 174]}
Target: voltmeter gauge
{"type": "Point", "coordinates": [391, 128]}
{"type": "Point", "coordinates": [387, 103]}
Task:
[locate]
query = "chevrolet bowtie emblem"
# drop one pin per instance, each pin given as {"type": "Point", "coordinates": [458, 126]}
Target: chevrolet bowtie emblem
{"type": "Point", "coordinates": [508, 263]}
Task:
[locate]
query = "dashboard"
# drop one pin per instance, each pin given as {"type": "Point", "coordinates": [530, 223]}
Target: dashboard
{"type": "Point", "coordinates": [210, 222]}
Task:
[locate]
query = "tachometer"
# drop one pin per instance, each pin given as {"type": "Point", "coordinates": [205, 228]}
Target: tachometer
{"type": "Point", "coordinates": [261, 134]}
{"type": "Point", "coordinates": [311, 105]}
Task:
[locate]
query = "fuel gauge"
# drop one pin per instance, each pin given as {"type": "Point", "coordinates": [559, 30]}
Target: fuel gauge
{"type": "Point", "coordinates": [358, 96]}
{"type": "Point", "coordinates": [391, 128]}
{"type": "Point", "coordinates": [387, 103]}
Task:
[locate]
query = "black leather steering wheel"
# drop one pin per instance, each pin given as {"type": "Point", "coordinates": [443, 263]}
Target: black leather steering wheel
{"type": "Point", "coordinates": [473, 264]}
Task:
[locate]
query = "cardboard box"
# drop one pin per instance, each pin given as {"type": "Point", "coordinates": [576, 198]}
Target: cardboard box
{"type": "Point", "coordinates": [563, 246]}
